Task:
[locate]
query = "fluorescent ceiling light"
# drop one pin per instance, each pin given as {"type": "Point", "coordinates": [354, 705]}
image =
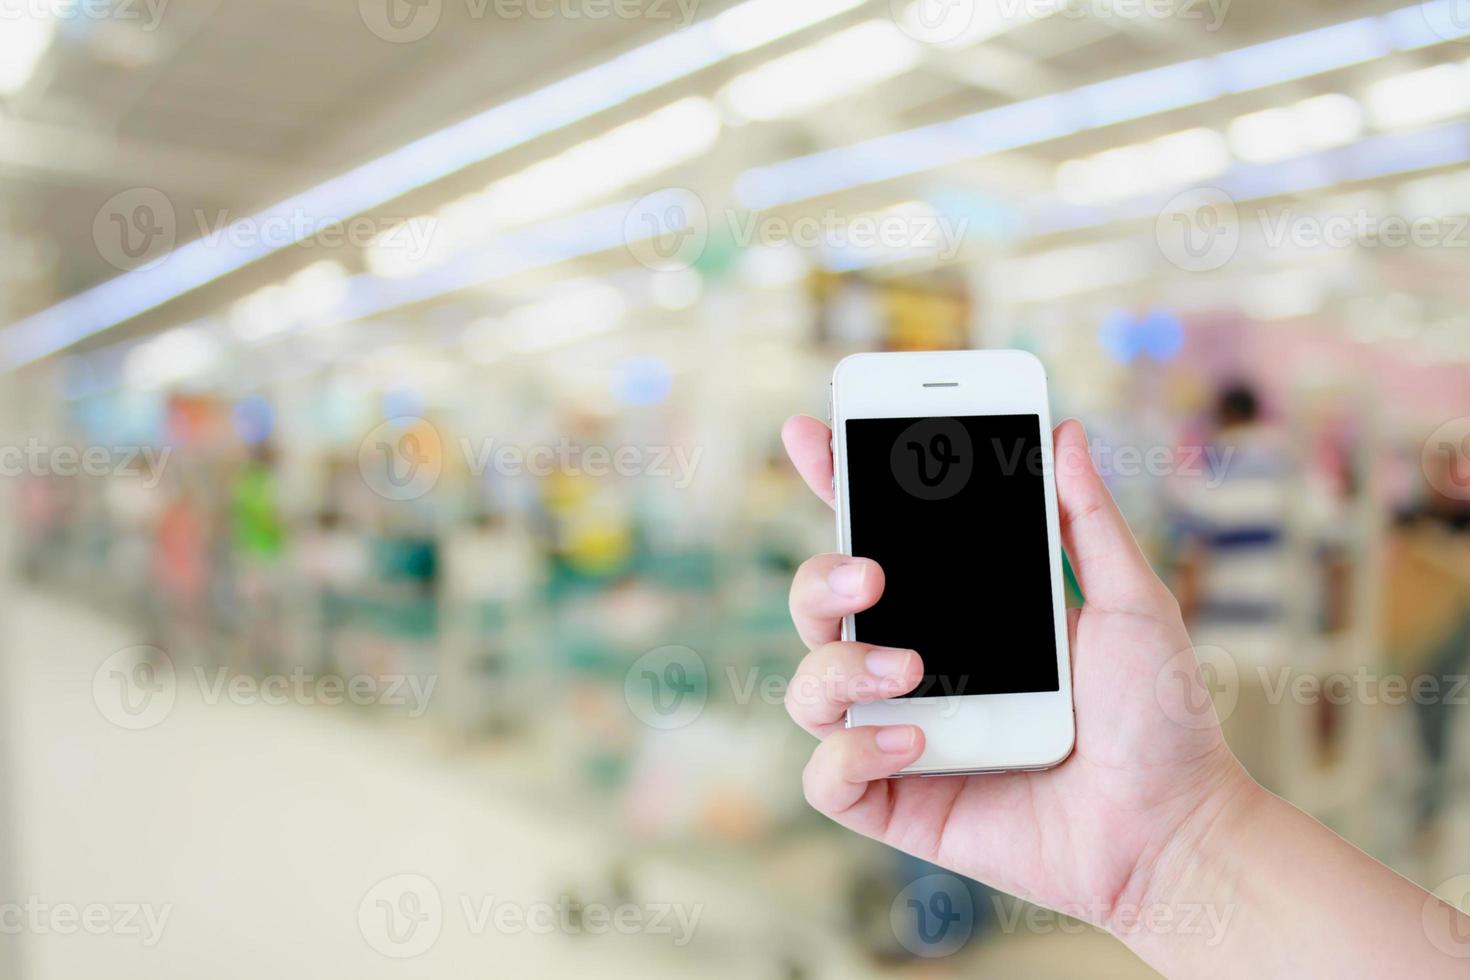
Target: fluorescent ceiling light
{"type": "Point", "coordinates": [572, 179]}
{"type": "Point", "coordinates": [1090, 107]}
{"type": "Point", "coordinates": [756, 22]}
{"type": "Point", "coordinates": [1067, 271]}
{"type": "Point", "coordinates": [1265, 136]}
{"type": "Point", "coordinates": [576, 311]}
{"type": "Point", "coordinates": [1302, 55]}
{"type": "Point", "coordinates": [1288, 131]}
{"type": "Point", "coordinates": [1420, 97]}
{"type": "Point", "coordinates": [1329, 120]}
{"type": "Point", "coordinates": [260, 315]}
{"type": "Point", "coordinates": [311, 295]}
{"type": "Point", "coordinates": [424, 161]}
{"type": "Point", "coordinates": [846, 62]}
{"type": "Point", "coordinates": [1181, 158]}
{"type": "Point", "coordinates": [1284, 295]}
{"type": "Point", "coordinates": [902, 232]}
{"type": "Point", "coordinates": [26, 31]}
{"type": "Point", "coordinates": [171, 357]}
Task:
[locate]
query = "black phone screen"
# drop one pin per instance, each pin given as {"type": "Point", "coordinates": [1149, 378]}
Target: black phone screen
{"type": "Point", "coordinates": [954, 509]}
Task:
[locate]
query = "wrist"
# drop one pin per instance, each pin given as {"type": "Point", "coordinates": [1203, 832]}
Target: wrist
{"type": "Point", "coordinates": [1184, 888]}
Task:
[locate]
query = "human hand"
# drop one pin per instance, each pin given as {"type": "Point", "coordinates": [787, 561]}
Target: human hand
{"type": "Point", "coordinates": [1087, 837]}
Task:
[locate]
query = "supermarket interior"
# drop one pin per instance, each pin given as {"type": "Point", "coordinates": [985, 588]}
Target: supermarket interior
{"type": "Point", "coordinates": [393, 395]}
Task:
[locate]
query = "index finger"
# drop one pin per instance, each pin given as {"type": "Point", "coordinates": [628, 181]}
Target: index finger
{"type": "Point", "coordinates": [809, 444]}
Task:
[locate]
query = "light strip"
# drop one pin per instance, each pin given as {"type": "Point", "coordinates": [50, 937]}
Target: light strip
{"type": "Point", "coordinates": [677, 55]}
{"type": "Point", "coordinates": [1094, 106]}
{"type": "Point", "coordinates": [424, 161]}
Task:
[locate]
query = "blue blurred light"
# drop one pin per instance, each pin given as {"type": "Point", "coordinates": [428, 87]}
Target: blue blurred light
{"type": "Point", "coordinates": [1161, 335]}
{"type": "Point", "coordinates": [1148, 92]}
{"type": "Point", "coordinates": [1301, 55]}
{"type": "Point", "coordinates": [1158, 335]}
{"type": "Point", "coordinates": [643, 380]}
{"type": "Point", "coordinates": [254, 420]}
{"type": "Point", "coordinates": [1114, 334]}
{"type": "Point", "coordinates": [402, 403]}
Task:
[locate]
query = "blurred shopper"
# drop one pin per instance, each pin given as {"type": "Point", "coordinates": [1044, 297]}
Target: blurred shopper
{"type": "Point", "coordinates": [1427, 620]}
{"type": "Point", "coordinates": [181, 572]}
{"type": "Point", "coordinates": [1234, 574]}
{"type": "Point", "coordinates": [259, 536]}
{"type": "Point", "coordinates": [492, 569]}
{"type": "Point", "coordinates": [133, 503]}
{"type": "Point", "coordinates": [332, 560]}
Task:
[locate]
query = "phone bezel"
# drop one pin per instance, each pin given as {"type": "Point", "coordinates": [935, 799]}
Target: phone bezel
{"type": "Point", "coordinates": [977, 732]}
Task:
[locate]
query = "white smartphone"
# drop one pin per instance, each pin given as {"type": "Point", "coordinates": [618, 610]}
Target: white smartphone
{"type": "Point", "coordinates": [943, 474]}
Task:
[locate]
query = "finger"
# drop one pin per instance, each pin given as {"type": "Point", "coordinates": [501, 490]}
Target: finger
{"type": "Point", "coordinates": [833, 678]}
{"type": "Point", "coordinates": [846, 778]}
{"type": "Point", "coordinates": [809, 444]}
{"type": "Point", "coordinates": [828, 587]}
{"type": "Point", "coordinates": [1110, 567]}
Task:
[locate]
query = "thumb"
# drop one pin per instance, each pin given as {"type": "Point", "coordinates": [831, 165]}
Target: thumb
{"type": "Point", "coordinates": [1110, 567]}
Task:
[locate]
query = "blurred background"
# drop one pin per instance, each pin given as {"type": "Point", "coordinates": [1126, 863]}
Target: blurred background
{"type": "Point", "coordinates": [395, 527]}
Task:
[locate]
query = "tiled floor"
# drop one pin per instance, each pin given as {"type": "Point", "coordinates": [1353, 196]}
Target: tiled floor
{"type": "Point", "coordinates": [268, 840]}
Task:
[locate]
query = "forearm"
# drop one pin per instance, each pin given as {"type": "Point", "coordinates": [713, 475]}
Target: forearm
{"type": "Point", "coordinates": [1277, 894]}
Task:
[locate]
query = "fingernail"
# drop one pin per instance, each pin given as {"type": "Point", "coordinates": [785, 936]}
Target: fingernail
{"type": "Point", "coordinates": [898, 738]}
{"type": "Point", "coordinates": [888, 661]}
{"type": "Point", "coordinates": [847, 579]}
